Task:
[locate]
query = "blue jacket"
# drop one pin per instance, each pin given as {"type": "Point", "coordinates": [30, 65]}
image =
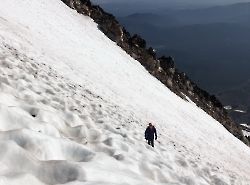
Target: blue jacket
{"type": "Point", "coordinates": [150, 133]}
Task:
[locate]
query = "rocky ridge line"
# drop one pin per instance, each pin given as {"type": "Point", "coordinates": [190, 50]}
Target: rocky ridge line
{"type": "Point", "coordinates": [162, 68]}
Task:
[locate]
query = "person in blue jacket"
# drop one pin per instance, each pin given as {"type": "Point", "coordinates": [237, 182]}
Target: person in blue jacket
{"type": "Point", "coordinates": [150, 134]}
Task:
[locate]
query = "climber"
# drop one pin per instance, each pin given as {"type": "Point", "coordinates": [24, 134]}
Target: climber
{"type": "Point", "coordinates": [150, 133]}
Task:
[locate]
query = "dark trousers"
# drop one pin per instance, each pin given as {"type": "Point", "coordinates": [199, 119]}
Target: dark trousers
{"type": "Point", "coordinates": [151, 142]}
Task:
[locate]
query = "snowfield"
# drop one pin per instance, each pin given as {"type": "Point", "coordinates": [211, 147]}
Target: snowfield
{"type": "Point", "coordinates": [74, 108]}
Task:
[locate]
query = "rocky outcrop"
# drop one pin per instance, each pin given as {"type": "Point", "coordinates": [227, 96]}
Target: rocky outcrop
{"type": "Point", "coordinates": [162, 68]}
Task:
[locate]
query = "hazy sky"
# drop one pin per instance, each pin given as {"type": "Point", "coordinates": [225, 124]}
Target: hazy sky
{"type": "Point", "coordinates": [170, 2]}
{"type": "Point", "coordinates": [125, 7]}
{"type": "Point", "coordinates": [165, 1]}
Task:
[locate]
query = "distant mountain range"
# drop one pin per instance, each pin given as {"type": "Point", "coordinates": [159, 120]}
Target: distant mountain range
{"type": "Point", "coordinates": [126, 7]}
{"type": "Point", "coordinates": [235, 13]}
{"type": "Point", "coordinates": [211, 44]}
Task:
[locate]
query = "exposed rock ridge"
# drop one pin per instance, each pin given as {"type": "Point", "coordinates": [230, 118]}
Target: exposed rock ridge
{"type": "Point", "coordinates": [162, 68]}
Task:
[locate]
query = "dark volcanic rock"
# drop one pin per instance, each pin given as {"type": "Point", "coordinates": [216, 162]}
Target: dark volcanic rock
{"type": "Point", "coordinates": [163, 68]}
{"type": "Point", "coordinates": [166, 62]}
{"type": "Point", "coordinates": [137, 41]}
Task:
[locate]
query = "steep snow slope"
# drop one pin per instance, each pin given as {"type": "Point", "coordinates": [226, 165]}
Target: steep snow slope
{"type": "Point", "coordinates": [74, 106]}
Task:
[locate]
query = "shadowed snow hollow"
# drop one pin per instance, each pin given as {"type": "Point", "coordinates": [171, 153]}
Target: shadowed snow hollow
{"type": "Point", "coordinates": [74, 107]}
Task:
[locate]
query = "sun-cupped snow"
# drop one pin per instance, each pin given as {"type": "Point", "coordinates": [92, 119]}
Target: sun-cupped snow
{"type": "Point", "coordinates": [74, 107]}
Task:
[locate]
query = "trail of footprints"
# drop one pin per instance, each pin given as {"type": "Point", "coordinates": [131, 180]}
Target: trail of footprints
{"type": "Point", "coordinates": [87, 123]}
{"type": "Point", "coordinates": [34, 84]}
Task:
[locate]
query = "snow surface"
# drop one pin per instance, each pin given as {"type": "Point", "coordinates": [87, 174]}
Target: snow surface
{"type": "Point", "coordinates": [240, 111]}
{"type": "Point", "coordinates": [228, 107]}
{"type": "Point", "coordinates": [246, 130]}
{"type": "Point", "coordinates": [246, 133]}
{"type": "Point", "coordinates": [74, 107]}
{"type": "Point", "coordinates": [245, 125]}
